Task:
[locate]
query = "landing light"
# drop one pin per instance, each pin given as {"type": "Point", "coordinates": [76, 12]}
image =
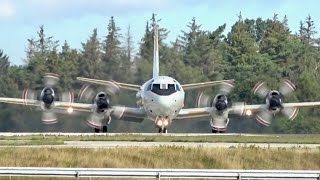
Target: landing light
{"type": "Point", "coordinates": [70, 110]}
{"type": "Point", "coordinates": [248, 112]}
{"type": "Point", "coordinates": [165, 122]}
{"type": "Point", "coordinates": [159, 123]}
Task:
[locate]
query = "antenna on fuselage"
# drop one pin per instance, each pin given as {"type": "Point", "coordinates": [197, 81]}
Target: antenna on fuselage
{"type": "Point", "coordinates": [155, 51]}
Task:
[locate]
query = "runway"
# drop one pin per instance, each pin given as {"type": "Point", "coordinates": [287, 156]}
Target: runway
{"type": "Point", "coordinates": [130, 144]}
{"type": "Point", "coordinates": [149, 140]}
{"type": "Point", "coordinates": [10, 134]}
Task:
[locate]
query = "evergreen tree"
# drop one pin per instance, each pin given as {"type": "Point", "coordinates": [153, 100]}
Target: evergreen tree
{"type": "Point", "coordinates": [90, 62]}
{"type": "Point", "coordinates": [4, 62]}
{"type": "Point", "coordinates": [112, 52]}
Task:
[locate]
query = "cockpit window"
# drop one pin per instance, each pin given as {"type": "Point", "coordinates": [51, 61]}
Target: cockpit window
{"type": "Point", "coordinates": [164, 89]}
{"type": "Point", "coordinates": [149, 86]}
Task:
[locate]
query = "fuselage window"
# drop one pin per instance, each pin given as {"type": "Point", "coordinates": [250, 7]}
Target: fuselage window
{"type": "Point", "coordinates": [169, 89]}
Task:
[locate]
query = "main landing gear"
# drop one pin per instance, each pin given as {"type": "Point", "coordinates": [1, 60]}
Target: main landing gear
{"type": "Point", "coordinates": [163, 130]}
{"type": "Point", "coordinates": [217, 131]}
{"type": "Point", "coordinates": [104, 129]}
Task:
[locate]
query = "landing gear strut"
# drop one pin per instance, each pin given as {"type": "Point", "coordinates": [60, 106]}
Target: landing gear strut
{"type": "Point", "coordinates": [104, 129]}
{"type": "Point", "coordinates": [164, 130]}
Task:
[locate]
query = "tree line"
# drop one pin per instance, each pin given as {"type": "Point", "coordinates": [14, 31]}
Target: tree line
{"type": "Point", "coordinates": [254, 50]}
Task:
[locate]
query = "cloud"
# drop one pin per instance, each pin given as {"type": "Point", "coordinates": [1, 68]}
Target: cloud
{"type": "Point", "coordinates": [7, 9]}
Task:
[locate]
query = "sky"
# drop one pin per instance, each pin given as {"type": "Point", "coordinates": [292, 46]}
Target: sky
{"type": "Point", "coordinates": [74, 20]}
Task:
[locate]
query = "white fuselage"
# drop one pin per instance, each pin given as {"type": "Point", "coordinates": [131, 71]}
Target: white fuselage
{"type": "Point", "coordinates": [162, 98]}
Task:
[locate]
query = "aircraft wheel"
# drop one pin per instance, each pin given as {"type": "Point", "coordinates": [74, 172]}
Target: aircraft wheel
{"type": "Point", "coordinates": [215, 131]}
{"type": "Point", "coordinates": [165, 131]}
{"type": "Point", "coordinates": [96, 130]}
{"type": "Point", "coordinates": [160, 130]}
{"type": "Point", "coordinates": [104, 129]}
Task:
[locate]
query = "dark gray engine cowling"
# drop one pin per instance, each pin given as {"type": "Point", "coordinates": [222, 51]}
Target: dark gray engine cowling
{"type": "Point", "coordinates": [47, 98]}
{"type": "Point", "coordinates": [274, 101]}
{"type": "Point", "coordinates": [102, 100]}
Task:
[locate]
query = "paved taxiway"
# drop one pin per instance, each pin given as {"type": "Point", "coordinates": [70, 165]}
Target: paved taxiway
{"type": "Point", "coordinates": [9, 134]}
{"type": "Point", "coordinates": [117, 144]}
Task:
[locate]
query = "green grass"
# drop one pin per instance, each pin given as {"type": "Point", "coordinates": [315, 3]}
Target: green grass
{"type": "Point", "coordinates": [43, 140]}
{"type": "Point", "coordinates": [164, 157]}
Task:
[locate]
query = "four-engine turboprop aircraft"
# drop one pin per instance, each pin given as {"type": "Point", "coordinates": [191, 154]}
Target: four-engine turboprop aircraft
{"type": "Point", "coordinates": [161, 100]}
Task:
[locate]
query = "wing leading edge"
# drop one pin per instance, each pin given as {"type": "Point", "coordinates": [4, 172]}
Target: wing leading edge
{"type": "Point", "coordinates": [205, 84]}
{"type": "Point", "coordinates": [131, 87]}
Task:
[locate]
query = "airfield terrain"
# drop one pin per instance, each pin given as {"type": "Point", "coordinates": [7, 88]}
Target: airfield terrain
{"type": "Point", "coordinates": [225, 151]}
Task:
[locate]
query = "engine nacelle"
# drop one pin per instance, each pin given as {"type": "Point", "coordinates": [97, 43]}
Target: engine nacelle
{"type": "Point", "coordinates": [47, 97]}
{"type": "Point", "coordinates": [219, 114]}
{"type": "Point", "coordinates": [274, 101]}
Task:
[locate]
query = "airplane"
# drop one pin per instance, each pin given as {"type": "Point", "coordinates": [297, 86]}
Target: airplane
{"type": "Point", "coordinates": [161, 100]}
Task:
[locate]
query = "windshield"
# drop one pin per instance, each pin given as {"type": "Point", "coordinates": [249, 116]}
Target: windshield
{"type": "Point", "coordinates": [164, 90]}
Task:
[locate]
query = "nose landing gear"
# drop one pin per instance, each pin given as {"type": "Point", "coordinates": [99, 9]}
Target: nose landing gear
{"type": "Point", "coordinates": [162, 123]}
{"type": "Point", "coordinates": [163, 130]}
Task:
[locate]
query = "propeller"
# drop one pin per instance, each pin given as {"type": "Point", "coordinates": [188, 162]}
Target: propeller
{"type": "Point", "coordinates": [274, 101]}
{"type": "Point", "coordinates": [47, 98]}
{"type": "Point", "coordinates": [204, 100]}
{"type": "Point", "coordinates": [101, 104]}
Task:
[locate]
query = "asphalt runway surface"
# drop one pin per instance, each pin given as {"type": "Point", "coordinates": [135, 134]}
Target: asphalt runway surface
{"type": "Point", "coordinates": [8, 134]}
{"type": "Point", "coordinates": [118, 144]}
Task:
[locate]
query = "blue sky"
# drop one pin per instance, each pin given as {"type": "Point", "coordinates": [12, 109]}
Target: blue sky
{"type": "Point", "coordinates": [74, 20]}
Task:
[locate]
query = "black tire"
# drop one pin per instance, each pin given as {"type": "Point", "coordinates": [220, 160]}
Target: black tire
{"type": "Point", "coordinates": [165, 131]}
{"type": "Point", "coordinates": [96, 130]}
{"type": "Point", "coordinates": [160, 130]}
{"type": "Point", "coordinates": [215, 131]}
{"type": "Point", "coordinates": [104, 129]}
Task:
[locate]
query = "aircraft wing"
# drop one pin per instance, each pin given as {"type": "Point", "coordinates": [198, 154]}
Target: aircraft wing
{"type": "Point", "coordinates": [205, 84]}
{"type": "Point", "coordinates": [191, 113]}
{"type": "Point", "coordinates": [19, 101]}
{"type": "Point", "coordinates": [118, 112]}
{"type": "Point", "coordinates": [131, 87]}
{"type": "Point", "coordinates": [123, 113]}
{"type": "Point", "coordinates": [285, 105]}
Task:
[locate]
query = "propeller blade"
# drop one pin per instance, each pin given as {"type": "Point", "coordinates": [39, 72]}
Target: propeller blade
{"type": "Point", "coordinates": [50, 79]}
{"type": "Point", "coordinates": [261, 89]}
{"type": "Point", "coordinates": [238, 108]}
{"type": "Point", "coordinates": [264, 117]}
{"type": "Point", "coordinates": [290, 112]}
{"type": "Point", "coordinates": [67, 97]}
{"type": "Point", "coordinates": [86, 93]}
{"type": "Point", "coordinates": [28, 94]}
{"type": "Point", "coordinates": [95, 120]}
{"type": "Point", "coordinates": [203, 100]}
{"type": "Point", "coordinates": [49, 117]}
{"type": "Point", "coordinates": [226, 87]}
{"type": "Point", "coordinates": [287, 87]}
{"type": "Point", "coordinates": [118, 112]}
{"type": "Point", "coordinates": [112, 88]}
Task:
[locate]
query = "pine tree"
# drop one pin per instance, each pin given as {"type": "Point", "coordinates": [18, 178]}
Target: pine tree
{"type": "Point", "coordinates": [112, 52]}
{"type": "Point", "coordinates": [90, 63]}
{"type": "Point", "coordinates": [4, 62]}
